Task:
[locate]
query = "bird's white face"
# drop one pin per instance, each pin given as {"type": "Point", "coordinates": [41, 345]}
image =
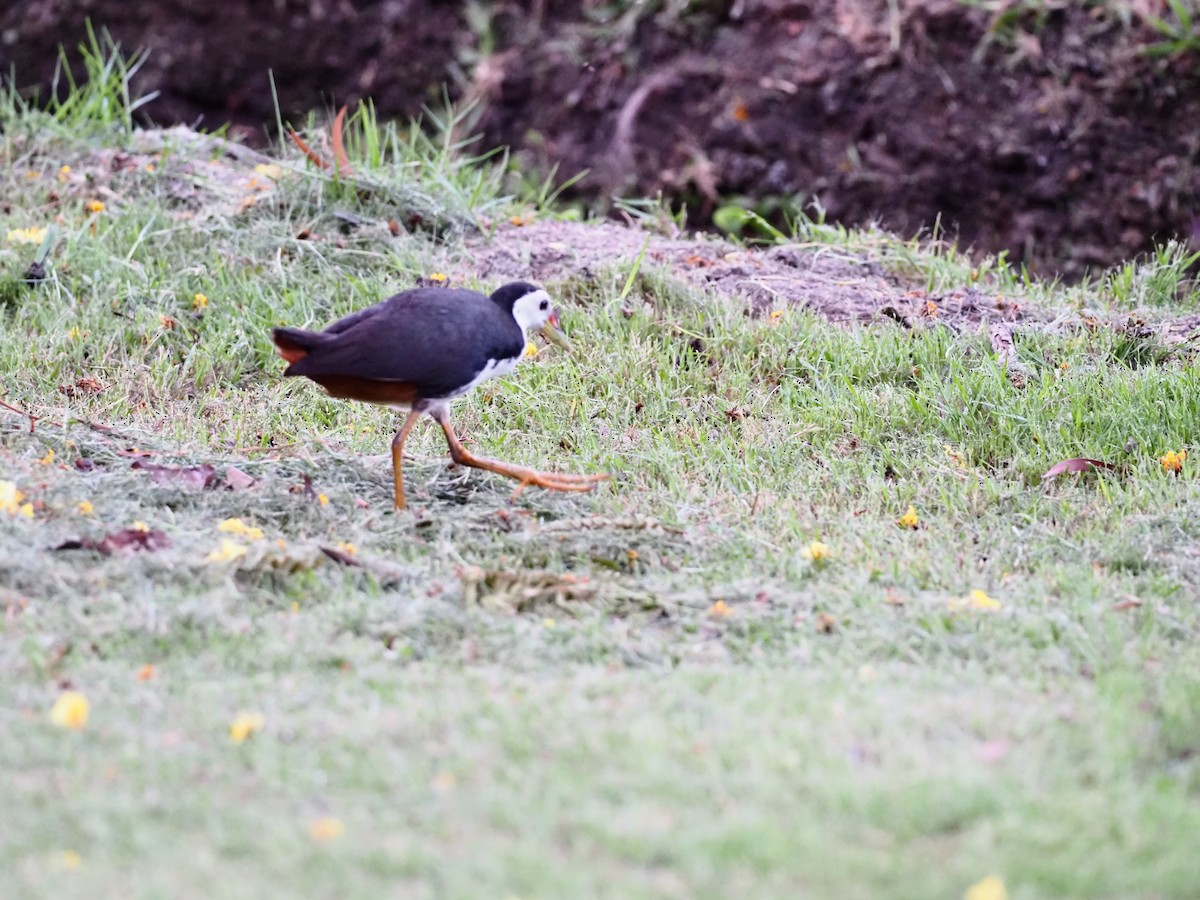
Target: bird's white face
{"type": "Point", "coordinates": [534, 310]}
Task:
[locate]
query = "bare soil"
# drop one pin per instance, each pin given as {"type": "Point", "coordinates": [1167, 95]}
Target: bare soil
{"type": "Point", "coordinates": [838, 285]}
{"type": "Point", "coordinates": [1047, 132]}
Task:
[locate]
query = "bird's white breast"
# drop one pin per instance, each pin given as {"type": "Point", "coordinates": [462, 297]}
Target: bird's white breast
{"type": "Point", "coordinates": [494, 369]}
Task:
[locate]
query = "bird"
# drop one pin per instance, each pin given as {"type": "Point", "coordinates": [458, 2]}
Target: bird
{"type": "Point", "coordinates": [420, 349]}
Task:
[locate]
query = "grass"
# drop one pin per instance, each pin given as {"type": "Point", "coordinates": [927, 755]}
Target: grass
{"type": "Point", "coordinates": [711, 711]}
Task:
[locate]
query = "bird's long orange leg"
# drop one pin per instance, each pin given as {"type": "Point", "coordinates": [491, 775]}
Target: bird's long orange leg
{"type": "Point", "coordinates": [555, 481]}
{"type": "Point", "coordinates": [398, 455]}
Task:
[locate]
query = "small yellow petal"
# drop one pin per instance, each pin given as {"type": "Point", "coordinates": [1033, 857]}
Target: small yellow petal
{"type": "Point", "coordinates": [244, 725]}
{"type": "Point", "coordinates": [348, 548]}
{"type": "Point", "coordinates": [531, 349]}
{"type": "Point", "coordinates": [817, 551]}
{"type": "Point", "coordinates": [322, 499]}
{"type": "Point", "coordinates": [70, 710]}
{"type": "Point", "coordinates": [241, 529]}
{"type": "Point", "coordinates": [26, 510]}
{"type": "Point", "coordinates": [228, 551]}
{"type": "Point", "coordinates": [980, 600]}
{"type": "Point", "coordinates": [31, 235]}
{"type": "Point", "coordinates": [909, 519]}
{"type": "Point", "coordinates": [69, 859]}
{"type": "Point", "coordinates": [270, 170]}
{"type": "Point", "coordinates": [199, 301]}
{"type": "Point", "coordinates": [720, 610]}
{"type": "Point", "coordinates": [141, 526]}
{"type": "Point", "coordinates": [548, 623]}
{"type": "Point", "coordinates": [1172, 461]}
{"type": "Point", "coordinates": [85, 508]}
{"type": "Point", "coordinates": [95, 206]}
{"type": "Point", "coordinates": [991, 888]}
{"type": "Point", "coordinates": [438, 276]}
{"type": "Point", "coordinates": [146, 673]}
{"type": "Point", "coordinates": [10, 498]}
{"type": "Point", "coordinates": [48, 459]}
{"type": "Point", "coordinates": [326, 829]}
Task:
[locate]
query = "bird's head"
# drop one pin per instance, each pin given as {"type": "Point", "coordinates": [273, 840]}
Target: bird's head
{"type": "Point", "coordinates": [531, 307]}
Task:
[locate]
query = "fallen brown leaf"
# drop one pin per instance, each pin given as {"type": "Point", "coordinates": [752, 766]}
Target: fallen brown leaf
{"type": "Point", "coordinates": [340, 556]}
{"type": "Point", "coordinates": [236, 479]}
{"type": "Point", "coordinates": [195, 477]}
{"type": "Point", "coordinates": [1076, 464]}
{"type": "Point", "coordinates": [130, 539]}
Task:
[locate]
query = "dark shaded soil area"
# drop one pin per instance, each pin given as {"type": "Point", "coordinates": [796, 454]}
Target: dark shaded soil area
{"type": "Point", "coordinates": [1048, 133]}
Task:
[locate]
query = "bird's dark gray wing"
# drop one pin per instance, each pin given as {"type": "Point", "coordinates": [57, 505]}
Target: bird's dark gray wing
{"type": "Point", "coordinates": [436, 339]}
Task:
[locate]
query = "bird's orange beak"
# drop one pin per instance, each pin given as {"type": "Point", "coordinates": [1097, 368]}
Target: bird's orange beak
{"type": "Point", "coordinates": [553, 332]}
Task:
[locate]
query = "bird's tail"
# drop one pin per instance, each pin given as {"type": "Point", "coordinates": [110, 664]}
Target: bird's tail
{"type": "Point", "coordinates": [293, 344]}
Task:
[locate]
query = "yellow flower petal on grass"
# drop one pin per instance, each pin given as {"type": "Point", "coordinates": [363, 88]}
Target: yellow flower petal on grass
{"type": "Point", "coordinates": [720, 610]}
{"type": "Point", "coordinates": [270, 170]}
{"type": "Point", "coordinates": [69, 859]}
{"type": "Point", "coordinates": [322, 500]}
{"type": "Point", "coordinates": [531, 349]}
{"type": "Point", "coordinates": [228, 551]}
{"type": "Point", "coordinates": [817, 551]}
{"type": "Point", "coordinates": [146, 673]}
{"type": "Point", "coordinates": [244, 725]}
{"type": "Point", "coordinates": [977, 599]}
{"type": "Point", "coordinates": [141, 526]}
{"type": "Point", "coordinates": [199, 302]}
{"type": "Point", "coordinates": [991, 888]}
{"type": "Point", "coordinates": [326, 829]}
{"type": "Point", "coordinates": [95, 206]}
{"type": "Point", "coordinates": [241, 529]}
{"type": "Point", "coordinates": [1172, 461]}
{"type": "Point", "coordinates": [437, 276]}
{"type": "Point", "coordinates": [48, 459]}
{"type": "Point", "coordinates": [85, 508]}
{"type": "Point", "coordinates": [31, 235]}
{"type": "Point", "coordinates": [10, 498]}
{"type": "Point", "coordinates": [70, 710]}
{"type": "Point", "coordinates": [909, 519]}
{"type": "Point", "coordinates": [980, 600]}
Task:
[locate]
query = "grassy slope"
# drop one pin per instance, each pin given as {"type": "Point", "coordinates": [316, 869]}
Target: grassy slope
{"type": "Point", "coordinates": [840, 729]}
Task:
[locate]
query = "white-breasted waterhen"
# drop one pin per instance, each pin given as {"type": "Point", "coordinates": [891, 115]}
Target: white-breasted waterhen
{"type": "Point", "coordinates": [422, 348]}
